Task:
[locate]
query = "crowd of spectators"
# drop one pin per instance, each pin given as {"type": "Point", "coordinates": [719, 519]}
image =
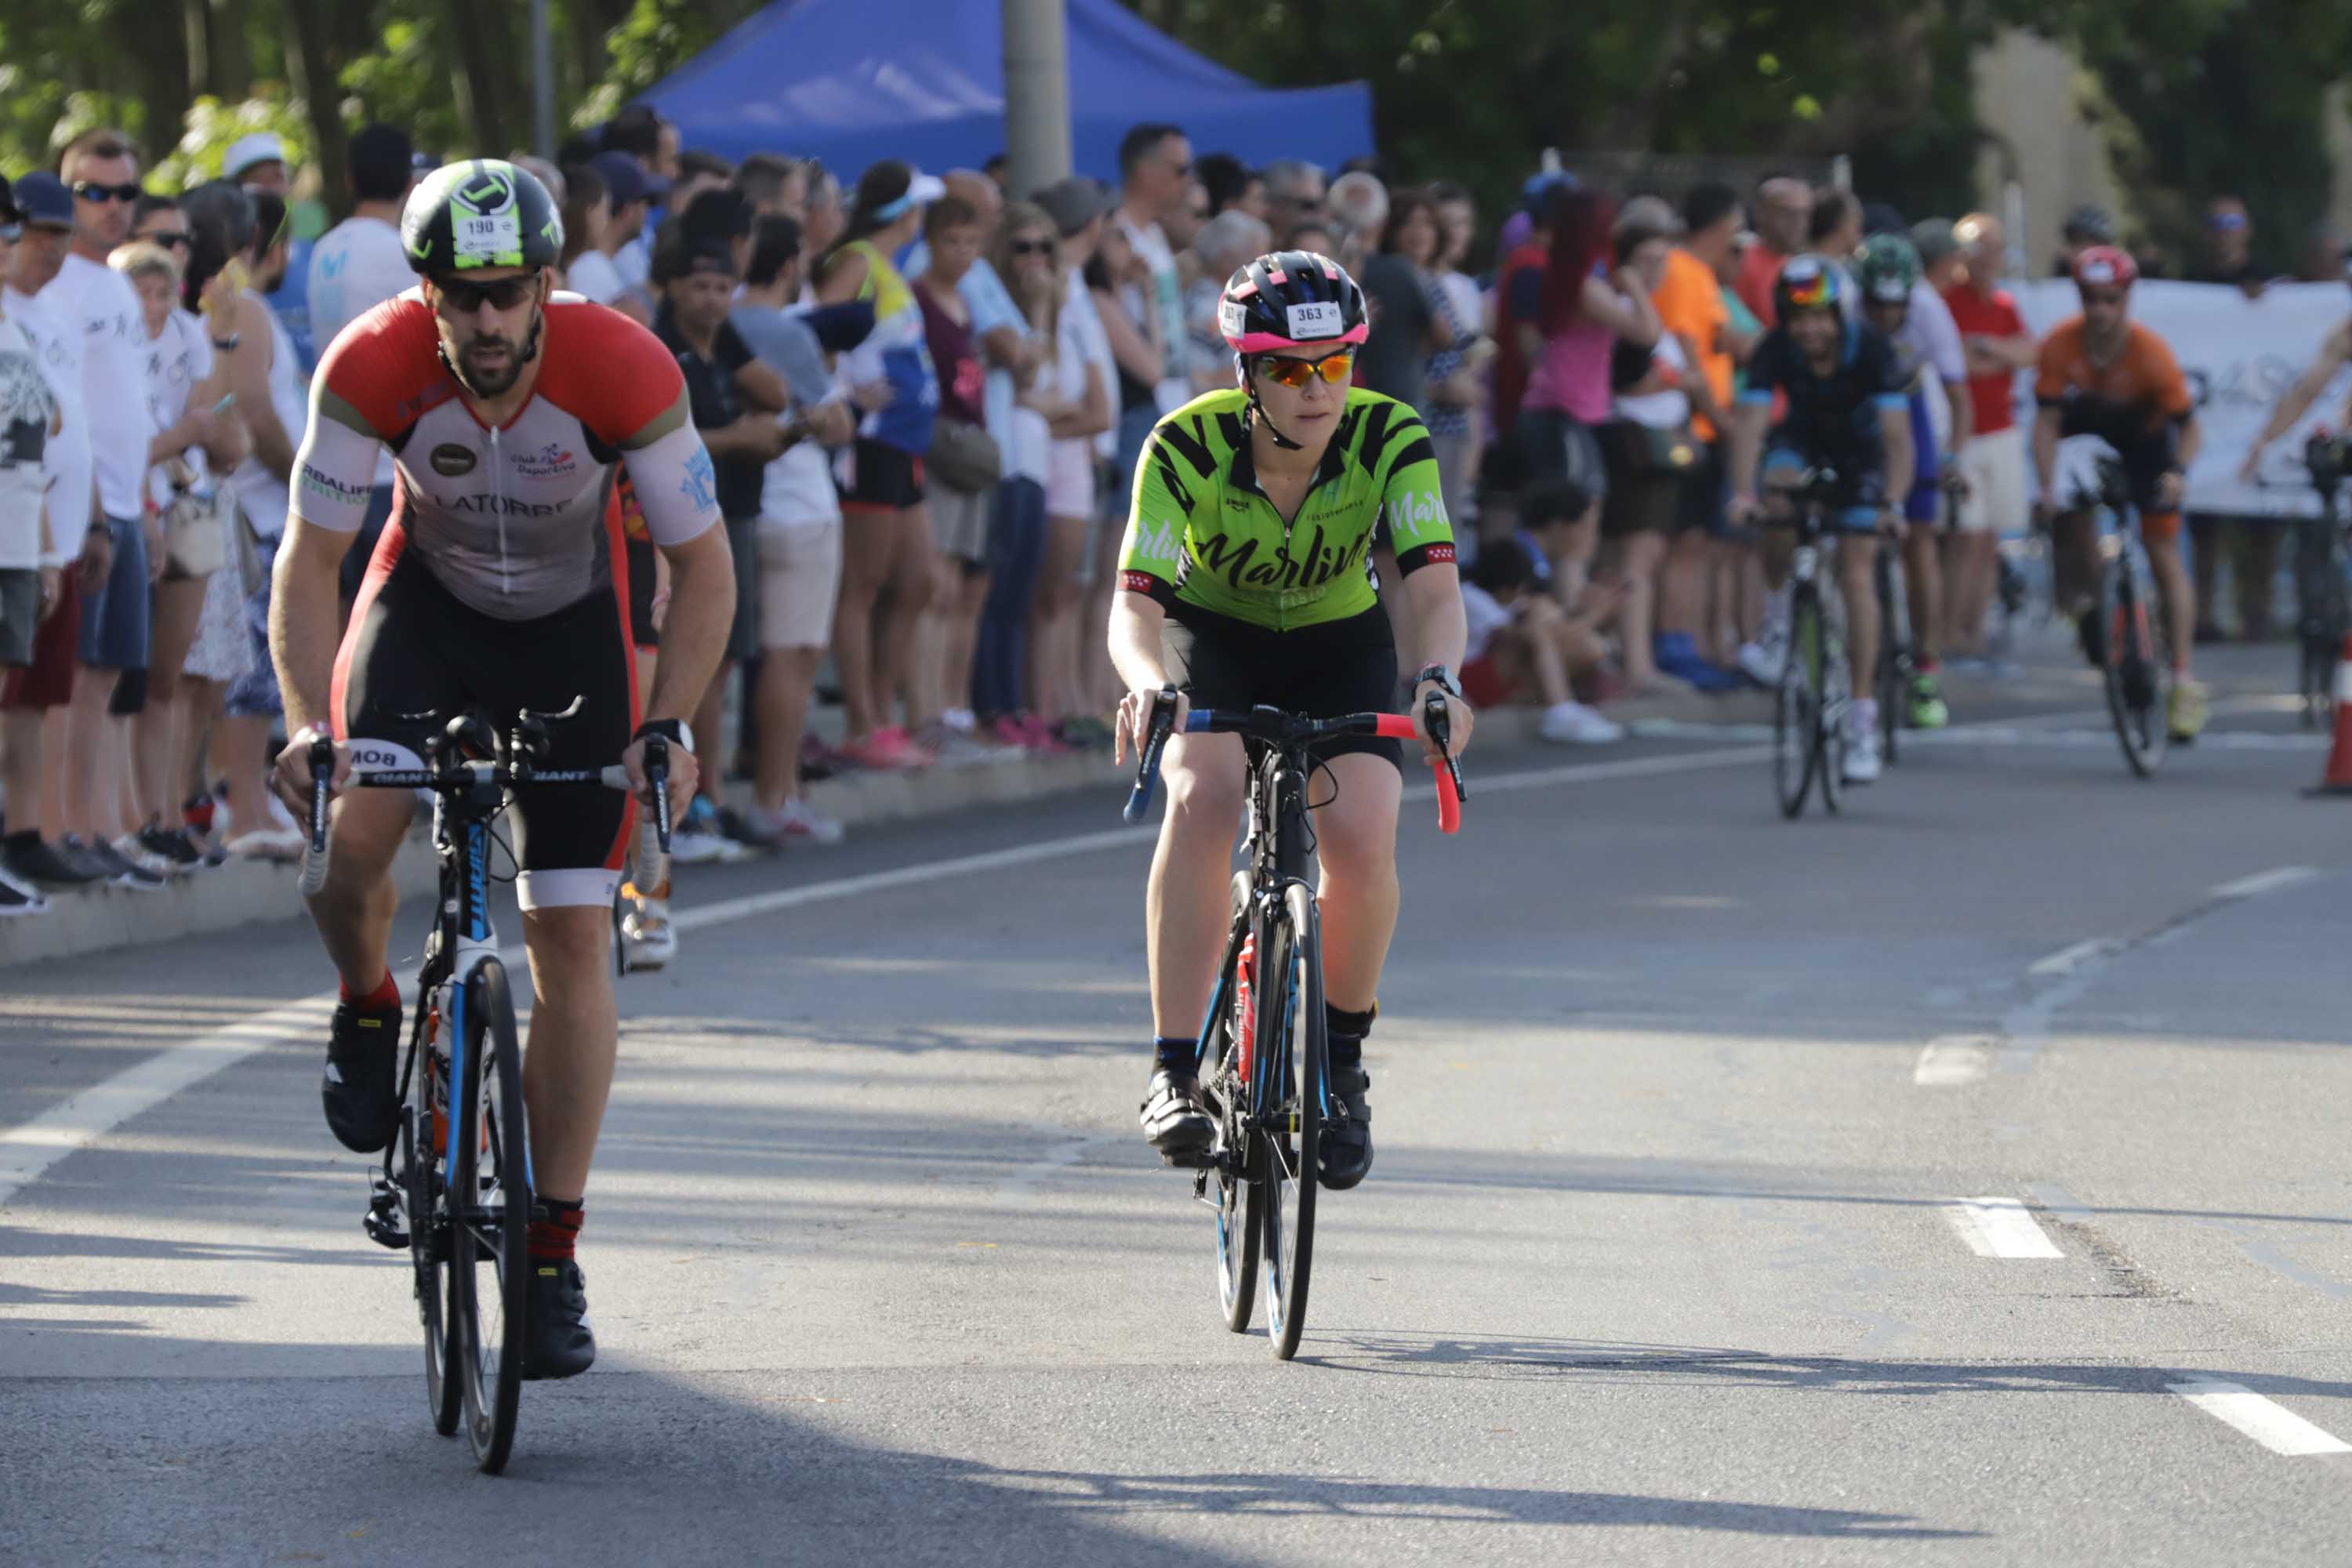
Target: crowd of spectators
{"type": "Point", "coordinates": [925, 398]}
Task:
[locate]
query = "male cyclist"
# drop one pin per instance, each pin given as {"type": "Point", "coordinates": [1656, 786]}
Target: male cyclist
{"type": "Point", "coordinates": [2102, 374]}
{"type": "Point", "coordinates": [1245, 579]}
{"type": "Point", "coordinates": [501, 582]}
{"type": "Point", "coordinates": [1897, 301]}
{"type": "Point", "coordinates": [1846, 410]}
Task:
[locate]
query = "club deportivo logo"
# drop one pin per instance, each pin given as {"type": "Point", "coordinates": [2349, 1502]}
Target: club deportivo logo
{"type": "Point", "coordinates": [549, 462]}
{"type": "Point", "coordinates": [449, 459]}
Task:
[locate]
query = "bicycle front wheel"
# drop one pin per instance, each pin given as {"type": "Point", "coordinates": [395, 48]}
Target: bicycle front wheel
{"type": "Point", "coordinates": [1292, 1049]}
{"type": "Point", "coordinates": [1241, 1206]}
{"type": "Point", "coordinates": [1891, 683]}
{"type": "Point", "coordinates": [2139, 667]}
{"type": "Point", "coordinates": [428, 1256]}
{"type": "Point", "coordinates": [1795, 702]}
{"type": "Point", "coordinates": [490, 1266]}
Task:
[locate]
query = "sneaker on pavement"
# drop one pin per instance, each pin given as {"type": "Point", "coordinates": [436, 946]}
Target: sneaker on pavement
{"type": "Point", "coordinates": [954, 748]}
{"type": "Point", "coordinates": [269, 844]}
{"type": "Point", "coordinates": [361, 1088]}
{"type": "Point", "coordinates": [172, 844]}
{"type": "Point", "coordinates": [556, 1339]}
{"type": "Point", "coordinates": [648, 941]}
{"type": "Point", "coordinates": [701, 837]}
{"type": "Point", "coordinates": [120, 870]}
{"type": "Point", "coordinates": [736, 827]}
{"type": "Point", "coordinates": [128, 847]}
{"type": "Point", "coordinates": [31, 862]}
{"type": "Point", "coordinates": [1676, 654]}
{"type": "Point", "coordinates": [1574, 724]}
{"type": "Point", "coordinates": [889, 747]}
{"type": "Point", "coordinates": [17, 898]}
{"type": "Point", "coordinates": [797, 822]}
{"type": "Point", "coordinates": [1862, 764]}
{"type": "Point", "coordinates": [2184, 714]}
{"type": "Point", "coordinates": [1927, 710]}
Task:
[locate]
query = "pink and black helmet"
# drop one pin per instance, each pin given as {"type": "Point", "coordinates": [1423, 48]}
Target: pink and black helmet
{"type": "Point", "coordinates": [1292, 299]}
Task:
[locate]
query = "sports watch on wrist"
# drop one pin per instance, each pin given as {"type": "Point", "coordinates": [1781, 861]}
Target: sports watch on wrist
{"type": "Point", "coordinates": [677, 731]}
{"type": "Point", "coordinates": [1443, 677]}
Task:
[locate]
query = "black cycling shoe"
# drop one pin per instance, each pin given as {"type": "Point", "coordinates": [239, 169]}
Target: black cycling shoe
{"type": "Point", "coordinates": [361, 1087]}
{"type": "Point", "coordinates": [556, 1339]}
{"type": "Point", "coordinates": [1175, 1119]}
{"type": "Point", "coordinates": [1345, 1150]}
{"type": "Point", "coordinates": [2091, 637]}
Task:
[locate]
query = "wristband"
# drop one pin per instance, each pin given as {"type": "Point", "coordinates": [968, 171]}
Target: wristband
{"type": "Point", "coordinates": [50, 561]}
{"type": "Point", "coordinates": [677, 731]}
{"type": "Point", "coordinates": [1442, 676]}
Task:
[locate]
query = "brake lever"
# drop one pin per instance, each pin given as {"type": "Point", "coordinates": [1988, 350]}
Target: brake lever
{"type": "Point", "coordinates": [1441, 730]}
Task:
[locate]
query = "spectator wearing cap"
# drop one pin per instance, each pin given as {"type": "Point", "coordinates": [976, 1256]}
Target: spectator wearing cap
{"type": "Point", "coordinates": [887, 539]}
{"type": "Point", "coordinates": [2229, 244]}
{"type": "Point", "coordinates": [101, 170]}
{"type": "Point", "coordinates": [734, 400]}
{"type": "Point", "coordinates": [2086, 226]}
{"type": "Point", "coordinates": [1940, 262]}
{"type": "Point", "coordinates": [1294, 195]}
{"type": "Point", "coordinates": [1693, 311]}
{"type": "Point", "coordinates": [1784, 212]}
{"type": "Point", "coordinates": [258, 163]}
{"type": "Point", "coordinates": [1155, 171]}
{"type": "Point", "coordinates": [596, 271]}
{"type": "Point", "coordinates": [31, 588]}
{"type": "Point", "coordinates": [642, 137]}
{"type": "Point", "coordinates": [1062, 668]}
{"type": "Point", "coordinates": [356, 265]}
{"type": "Point", "coordinates": [1997, 345]}
{"type": "Point", "coordinates": [34, 697]}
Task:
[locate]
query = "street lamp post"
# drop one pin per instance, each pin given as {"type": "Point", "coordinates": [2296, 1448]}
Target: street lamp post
{"type": "Point", "coordinates": [1036, 93]}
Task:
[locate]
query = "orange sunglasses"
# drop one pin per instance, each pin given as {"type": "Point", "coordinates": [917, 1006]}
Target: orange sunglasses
{"type": "Point", "coordinates": [1295, 374]}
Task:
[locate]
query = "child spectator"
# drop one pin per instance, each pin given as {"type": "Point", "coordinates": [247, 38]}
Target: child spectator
{"type": "Point", "coordinates": [1518, 636]}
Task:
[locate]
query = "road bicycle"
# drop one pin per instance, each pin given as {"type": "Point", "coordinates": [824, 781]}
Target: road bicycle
{"type": "Point", "coordinates": [1816, 688]}
{"type": "Point", "coordinates": [2133, 650]}
{"type": "Point", "coordinates": [454, 1189]}
{"type": "Point", "coordinates": [1898, 660]}
{"type": "Point", "coordinates": [1264, 1061]}
{"type": "Point", "coordinates": [2323, 605]}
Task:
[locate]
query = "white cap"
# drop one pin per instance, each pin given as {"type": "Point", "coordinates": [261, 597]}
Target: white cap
{"type": "Point", "coordinates": [260, 147]}
{"type": "Point", "coordinates": [926, 189]}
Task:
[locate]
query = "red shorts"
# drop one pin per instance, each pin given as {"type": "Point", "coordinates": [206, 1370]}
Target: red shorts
{"type": "Point", "coordinates": [1483, 684]}
{"type": "Point", "coordinates": [48, 681]}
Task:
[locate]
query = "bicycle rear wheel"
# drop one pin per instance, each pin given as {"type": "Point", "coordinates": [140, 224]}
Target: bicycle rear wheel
{"type": "Point", "coordinates": [1794, 704]}
{"type": "Point", "coordinates": [490, 1265]}
{"type": "Point", "coordinates": [1292, 1049]}
{"type": "Point", "coordinates": [1833, 697]}
{"type": "Point", "coordinates": [1241, 1216]}
{"type": "Point", "coordinates": [1892, 681]}
{"type": "Point", "coordinates": [428, 1256]}
{"type": "Point", "coordinates": [2137, 667]}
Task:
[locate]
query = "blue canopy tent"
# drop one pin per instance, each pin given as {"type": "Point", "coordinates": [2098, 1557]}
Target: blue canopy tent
{"type": "Point", "coordinates": [852, 81]}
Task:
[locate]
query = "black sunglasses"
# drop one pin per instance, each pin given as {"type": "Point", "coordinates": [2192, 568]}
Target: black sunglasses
{"type": "Point", "coordinates": [502, 294]}
{"type": "Point", "coordinates": [170, 239]}
{"type": "Point", "coordinates": [1032, 248]}
{"type": "Point", "coordinates": [90, 192]}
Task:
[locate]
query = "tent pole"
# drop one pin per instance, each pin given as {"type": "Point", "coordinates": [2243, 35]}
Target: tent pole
{"type": "Point", "coordinates": [1036, 93]}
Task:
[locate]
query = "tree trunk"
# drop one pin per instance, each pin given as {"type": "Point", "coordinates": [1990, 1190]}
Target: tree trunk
{"type": "Point", "coordinates": [196, 25]}
{"type": "Point", "coordinates": [228, 56]}
{"type": "Point", "coordinates": [158, 59]}
{"type": "Point", "coordinates": [481, 106]}
{"type": "Point", "coordinates": [314, 68]}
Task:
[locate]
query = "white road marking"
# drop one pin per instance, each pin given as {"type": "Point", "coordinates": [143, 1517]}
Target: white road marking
{"type": "Point", "coordinates": [1999, 1228]}
{"type": "Point", "coordinates": [28, 1150]}
{"type": "Point", "coordinates": [2067, 959]}
{"type": "Point", "coordinates": [2262, 882]}
{"type": "Point", "coordinates": [1955, 1059]}
{"type": "Point", "coordinates": [2266, 1421]}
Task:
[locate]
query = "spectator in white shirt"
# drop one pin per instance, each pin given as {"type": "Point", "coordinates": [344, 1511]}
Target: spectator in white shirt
{"type": "Point", "coordinates": [356, 265]}
{"type": "Point", "coordinates": [1155, 171]}
{"type": "Point", "coordinates": [595, 271]}
{"type": "Point", "coordinates": [102, 172]}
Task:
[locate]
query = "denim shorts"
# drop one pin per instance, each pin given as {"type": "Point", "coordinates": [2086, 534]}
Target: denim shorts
{"type": "Point", "coordinates": [118, 614]}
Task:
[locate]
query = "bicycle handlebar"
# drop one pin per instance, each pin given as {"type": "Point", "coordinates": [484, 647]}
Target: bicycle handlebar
{"type": "Point", "coordinates": [1277, 728]}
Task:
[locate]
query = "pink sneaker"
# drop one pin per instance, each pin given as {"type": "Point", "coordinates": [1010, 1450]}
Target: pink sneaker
{"type": "Point", "coordinates": [1038, 736]}
{"type": "Point", "coordinates": [890, 747]}
{"type": "Point", "coordinates": [1007, 732]}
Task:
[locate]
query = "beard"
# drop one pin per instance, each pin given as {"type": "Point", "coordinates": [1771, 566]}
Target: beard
{"type": "Point", "coordinates": [495, 384]}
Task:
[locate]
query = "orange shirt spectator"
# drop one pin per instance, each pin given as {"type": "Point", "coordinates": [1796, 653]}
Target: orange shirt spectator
{"type": "Point", "coordinates": [1690, 305]}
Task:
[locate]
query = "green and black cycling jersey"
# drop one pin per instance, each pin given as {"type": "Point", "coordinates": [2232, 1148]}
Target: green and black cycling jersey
{"type": "Point", "coordinates": [1203, 533]}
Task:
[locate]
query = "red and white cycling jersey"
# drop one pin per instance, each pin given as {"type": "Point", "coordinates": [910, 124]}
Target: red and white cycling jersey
{"type": "Point", "coordinates": [518, 521]}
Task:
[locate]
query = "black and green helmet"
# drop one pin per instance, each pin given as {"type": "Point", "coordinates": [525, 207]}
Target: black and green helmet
{"type": "Point", "coordinates": [484, 212]}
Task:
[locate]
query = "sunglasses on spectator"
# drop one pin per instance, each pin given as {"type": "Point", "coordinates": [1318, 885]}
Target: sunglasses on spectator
{"type": "Point", "coordinates": [1295, 374]}
{"type": "Point", "coordinates": [1032, 248]}
{"type": "Point", "coordinates": [503, 294]}
{"type": "Point", "coordinates": [2105, 296]}
{"type": "Point", "coordinates": [2225, 222]}
{"type": "Point", "coordinates": [89, 191]}
{"type": "Point", "coordinates": [170, 239]}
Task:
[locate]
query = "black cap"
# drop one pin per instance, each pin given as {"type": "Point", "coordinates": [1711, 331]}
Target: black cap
{"type": "Point", "coordinates": [1073, 203]}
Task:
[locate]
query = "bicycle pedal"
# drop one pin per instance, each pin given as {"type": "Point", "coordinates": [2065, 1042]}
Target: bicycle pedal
{"type": "Point", "coordinates": [1202, 1159]}
{"type": "Point", "coordinates": [382, 1221]}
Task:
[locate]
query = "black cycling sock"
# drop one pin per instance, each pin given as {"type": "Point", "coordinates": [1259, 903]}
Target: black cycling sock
{"type": "Point", "coordinates": [1179, 1054]}
{"type": "Point", "coordinates": [1344, 1032]}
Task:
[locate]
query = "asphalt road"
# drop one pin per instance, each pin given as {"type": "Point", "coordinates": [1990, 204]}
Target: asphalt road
{"type": "Point", "coordinates": [1961, 1181]}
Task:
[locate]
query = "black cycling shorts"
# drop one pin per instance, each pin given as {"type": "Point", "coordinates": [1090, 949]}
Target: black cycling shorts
{"type": "Point", "coordinates": [1323, 672]}
{"type": "Point", "coordinates": [412, 647]}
